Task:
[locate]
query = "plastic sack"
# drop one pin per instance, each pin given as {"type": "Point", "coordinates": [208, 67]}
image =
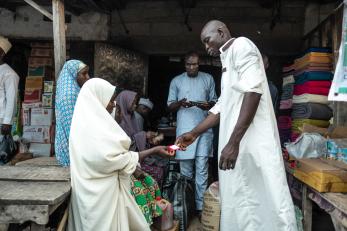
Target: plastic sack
{"type": "Point", "coordinates": [179, 190]}
{"type": "Point", "coordinates": [308, 145]}
{"type": "Point", "coordinates": [211, 210]}
{"type": "Point", "coordinates": [7, 148]}
{"type": "Point", "coordinates": [164, 222]}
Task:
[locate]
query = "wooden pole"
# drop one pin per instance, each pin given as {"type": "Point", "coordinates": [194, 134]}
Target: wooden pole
{"type": "Point", "coordinates": [59, 35]}
{"type": "Point", "coordinates": [40, 9]}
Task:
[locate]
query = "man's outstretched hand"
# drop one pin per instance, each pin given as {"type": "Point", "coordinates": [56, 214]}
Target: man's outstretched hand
{"type": "Point", "coordinates": [184, 140]}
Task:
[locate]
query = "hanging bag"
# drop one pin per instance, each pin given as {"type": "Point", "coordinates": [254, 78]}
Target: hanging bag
{"type": "Point", "coordinates": [7, 148]}
{"type": "Point", "coordinates": [179, 190]}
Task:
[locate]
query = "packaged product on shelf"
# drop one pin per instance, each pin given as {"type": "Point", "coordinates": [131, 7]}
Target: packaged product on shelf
{"type": "Point", "coordinates": [41, 116]}
{"type": "Point", "coordinates": [33, 83]}
{"type": "Point", "coordinates": [47, 100]}
{"type": "Point", "coordinates": [48, 86]}
{"type": "Point", "coordinates": [32, 96]}
{"type": "Point", "coordinates": [37, 134]}
{"type": "Point", "coordinates": [40, 149]}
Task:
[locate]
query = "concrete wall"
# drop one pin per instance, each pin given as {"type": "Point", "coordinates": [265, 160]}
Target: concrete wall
{"type": "Point", "coordinates": [158, 27]}
{"type": "Point", "coordinates": [26, 22]}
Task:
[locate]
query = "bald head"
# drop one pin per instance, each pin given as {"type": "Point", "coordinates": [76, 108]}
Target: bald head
{"type": "Point", "coordinates": [213, 35]}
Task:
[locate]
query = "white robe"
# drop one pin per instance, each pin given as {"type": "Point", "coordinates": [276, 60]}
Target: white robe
{"type": "Point", "coordinates": [254, 195]}
{"type": "Point", "coordinates": [101, 166]}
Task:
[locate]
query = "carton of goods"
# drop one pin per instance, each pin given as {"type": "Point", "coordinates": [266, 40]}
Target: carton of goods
{"type": "Point", "coordinates": [321, 176]}
{"type": "Point", "coordinates": [42, 71]}
{"type": "Point", "coordinates": [32, 96]}
{"type": "Point", "coordinates": [338, 132]}
{"type": "Point", "coordinates": [33, 83]}
{"type": "Point", "coordinates": [47, 100]}
{"type": "Point", "coordinates": [40, 149]}
{"type": "Point", "coordinates": [41, 52]}
{"type": "Point", "coordinates": [211, 208]}
{"type": "Point", "coordinates": [37, 134]}
{"type": "Point", "coordinates": [41, 116]}
{"type": "Point", "coordinates": [26, 108]}
{"type": "Point", "coordinates": [48, 86]}
{"type": "Point", "coordinates": [40, 61]}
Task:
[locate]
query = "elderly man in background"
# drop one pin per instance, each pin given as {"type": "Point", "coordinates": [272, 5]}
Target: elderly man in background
{"type": "Point", "coordinates": [8, 89]}
{"type": "Point", "coordinates": [143, 109]}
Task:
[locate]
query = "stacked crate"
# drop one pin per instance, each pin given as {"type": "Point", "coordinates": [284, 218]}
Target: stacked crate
{"type": "Point", "coordinates": [37, 108]}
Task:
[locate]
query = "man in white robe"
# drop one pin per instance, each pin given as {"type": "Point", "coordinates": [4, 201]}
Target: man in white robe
{"type": "Point", "coordinates": [253, 186]}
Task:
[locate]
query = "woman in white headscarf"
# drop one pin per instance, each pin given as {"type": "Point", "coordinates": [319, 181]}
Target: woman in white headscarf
{"type": "Point", "coordinates": [101, 165]}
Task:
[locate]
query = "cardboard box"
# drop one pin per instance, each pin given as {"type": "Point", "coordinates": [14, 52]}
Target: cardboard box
{"type": "Point", "coordinates": [40, 61]}
{"type": "Point", "coordinates": [48, 86]}
{"type": "Point", "coordinates": [26, 109]}
{"type": "Point", "coordinates": [338, 132]}
{"type": "Point", "coordinates": [32, 96]}
{"type": "Point", "coordinates": [321, 176]}
{"type": "Point", "coordinates": [33, 83]}
{"type": "Point", "coordinates": [47, 100]}
{"type": "Point", "coordinates": [42, 71]}
{"type": "Point", "coordinates": [40, 149]}
{"type": "Point", "coordinates": [28, 106]}
{"type": "Point", "coordinates": [41, 116]}
{"type": "Point", "coordinates": [41, 52]}
{"type": "Point", "coordinates": [37, 134]}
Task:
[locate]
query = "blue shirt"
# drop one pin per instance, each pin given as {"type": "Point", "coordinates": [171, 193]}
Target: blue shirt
{"type": "Point", "coordinates": [199, 88]}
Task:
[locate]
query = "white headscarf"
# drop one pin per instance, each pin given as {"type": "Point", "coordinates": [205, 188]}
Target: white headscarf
{"type": "Point", "coordinates": [146, 102]}
{"type": "Point", "coordinates": [101, 165]}
{"type": "Point", "coordinates": [5, 45]}
{"type": "Point", "coordinates": [93, 130]}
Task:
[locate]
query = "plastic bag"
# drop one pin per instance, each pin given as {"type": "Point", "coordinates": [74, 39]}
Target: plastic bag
{"type": "Point", "coordinates": [179, 190]}
{"type": "Point", "coordinates": [308, 145]}
{"type": "Point", "coordinates": [7, 148]}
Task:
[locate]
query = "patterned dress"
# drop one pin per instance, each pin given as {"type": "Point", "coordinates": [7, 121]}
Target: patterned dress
{"type": "Point", "coordinates": [146, 191]}
{"type": "Point", "coordinates": [65, 100]}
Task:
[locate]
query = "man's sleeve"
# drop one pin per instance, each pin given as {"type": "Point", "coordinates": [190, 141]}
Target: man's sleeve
{"type": "Point", "coordinates": [248, 66]}
{"type": "Point", "coordinates": [172, 93]}
{"type": "Point", "coordinates": [212, 91]}
{"type": "Point", "coordinates": [11, 90]}
{"type": "Point", "coordinates": [216, 108]}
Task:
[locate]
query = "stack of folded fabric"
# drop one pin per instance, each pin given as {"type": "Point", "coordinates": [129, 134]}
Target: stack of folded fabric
{"type": "Point", "coordinates": [284, 119]}
{"type": "Point", "coordinates": [313, 76]}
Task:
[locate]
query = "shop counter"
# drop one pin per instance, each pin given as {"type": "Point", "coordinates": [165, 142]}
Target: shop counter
{"type": "Point", "coordinates": [334, 204]}
{"type": "Point", "coordinates": [32, 190]}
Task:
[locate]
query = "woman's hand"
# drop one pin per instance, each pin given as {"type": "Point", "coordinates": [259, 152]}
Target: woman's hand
{"type": "Point", "coordinates": [139, 174]}
{"type": "Point", "coordinates": [163, 151]}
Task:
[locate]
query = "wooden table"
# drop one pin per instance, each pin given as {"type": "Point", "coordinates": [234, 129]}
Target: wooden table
{"type": "Point", "coordinates": [337, 202]}
{"type": "Point", "coordinates": [32, 192]}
